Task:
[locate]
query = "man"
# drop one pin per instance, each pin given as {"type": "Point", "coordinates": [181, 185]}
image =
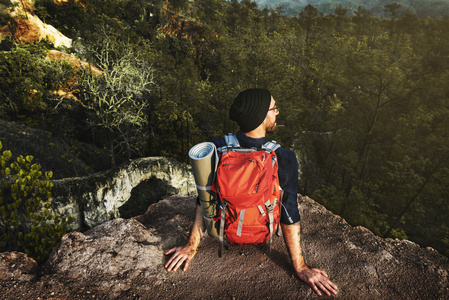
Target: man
{"type": "Point", "coordinates": [255, 112]}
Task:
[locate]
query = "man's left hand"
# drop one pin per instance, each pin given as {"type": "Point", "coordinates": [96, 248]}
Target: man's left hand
{"type": "Point", "coordinates": [318, 280]}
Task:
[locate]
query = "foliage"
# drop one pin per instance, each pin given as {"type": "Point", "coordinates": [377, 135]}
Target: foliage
{"type": "Point", "coordinates": [27, 80]}
{"type": "Point", "coordinates": [117, 100]}
{"type": "Point", "coordinates": [26, 221]}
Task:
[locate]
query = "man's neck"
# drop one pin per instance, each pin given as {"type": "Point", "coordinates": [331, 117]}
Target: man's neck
{"type": "Point", "coordinates": [257, 133]}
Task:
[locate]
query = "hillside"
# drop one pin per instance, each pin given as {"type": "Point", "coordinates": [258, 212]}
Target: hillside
{"type": "Point", "coordinates": [422, 8]}
{"type": "Point", "coordinates": [20, 22]}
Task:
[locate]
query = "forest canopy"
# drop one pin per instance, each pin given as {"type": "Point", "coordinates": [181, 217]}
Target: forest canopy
{"type": "Point", "coordinates": [367, 97]}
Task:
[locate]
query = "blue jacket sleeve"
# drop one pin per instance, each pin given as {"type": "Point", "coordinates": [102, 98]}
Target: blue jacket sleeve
{"type": "Point", "coordinates": [288, 180]}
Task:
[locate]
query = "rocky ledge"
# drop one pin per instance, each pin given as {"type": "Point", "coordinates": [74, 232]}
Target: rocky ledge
{"type": "Point", "coordinates": [124, 258]}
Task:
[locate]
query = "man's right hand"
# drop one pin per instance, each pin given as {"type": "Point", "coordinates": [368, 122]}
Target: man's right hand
{"type": "Point", "coordinates": [181, 255]}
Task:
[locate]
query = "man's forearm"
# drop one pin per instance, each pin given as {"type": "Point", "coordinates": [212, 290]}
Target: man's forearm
{"type": "Point", "coordinates": [183, 255]}
{"type": "Point", "coordinates": [197, 230]}
{"type": "Point", "coordinates": [292, 237]}
{"type": "Point", "coordinates": [317, 279]}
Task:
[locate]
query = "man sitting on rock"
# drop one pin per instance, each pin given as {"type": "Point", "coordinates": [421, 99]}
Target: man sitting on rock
{"type": "Point", "coordinates": [255, 112]}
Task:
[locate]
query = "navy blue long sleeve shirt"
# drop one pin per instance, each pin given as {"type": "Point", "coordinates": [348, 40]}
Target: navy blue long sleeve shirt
{"type": "Point", "coordinates": [288, 174]}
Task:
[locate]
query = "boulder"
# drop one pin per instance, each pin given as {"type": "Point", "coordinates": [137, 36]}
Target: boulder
{"type": "Point", "coordinates": [124, 259]}
{"type": "Point", "coordinates": [17, 266]}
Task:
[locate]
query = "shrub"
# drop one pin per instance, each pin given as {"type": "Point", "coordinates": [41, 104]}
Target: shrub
{"type": "Point", "coordinates": [26, 222]}
{"type": "Point", "coordinates": [27, 80]}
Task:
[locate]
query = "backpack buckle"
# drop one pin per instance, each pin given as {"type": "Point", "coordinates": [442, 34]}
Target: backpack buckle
{"type": "Point", "coordinates": [223, 204]}
{"type": "Point", "coordinates": [270, 207]}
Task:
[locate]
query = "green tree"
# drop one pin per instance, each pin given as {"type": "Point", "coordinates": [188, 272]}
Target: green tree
{"type": "Point", "coordinates": [182, 103]}
{"type": "Point", "coordinates": [340, 11]}
{"type": "Point", "coordinates": [308, 20]}
{"type": "Point", "coordinates": [362, 20]}
{"type": "Point", "coordinates": [393, 10]}
{"type": "Point", "coordinates": [118, 98]}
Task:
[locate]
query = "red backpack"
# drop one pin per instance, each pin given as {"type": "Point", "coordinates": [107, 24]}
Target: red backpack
{"type": "Point", "coordinates": [248, 188]}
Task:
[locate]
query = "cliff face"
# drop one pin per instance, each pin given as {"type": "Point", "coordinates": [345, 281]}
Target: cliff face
{"type": "Point", "coordinates": [29, 28]}
{"type": "Point", "coordinates": [124, 258]}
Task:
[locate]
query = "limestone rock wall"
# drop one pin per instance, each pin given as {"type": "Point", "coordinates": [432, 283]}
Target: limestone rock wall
{"type": "Point", "coordinates": [94, 199]}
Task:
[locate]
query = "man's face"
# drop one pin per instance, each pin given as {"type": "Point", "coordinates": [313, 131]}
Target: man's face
{"type": "Point", "coordinates": [270, 119]}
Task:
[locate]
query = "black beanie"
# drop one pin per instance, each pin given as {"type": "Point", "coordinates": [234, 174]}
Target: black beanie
{"type": "Point", "coordinates": [250, 108]}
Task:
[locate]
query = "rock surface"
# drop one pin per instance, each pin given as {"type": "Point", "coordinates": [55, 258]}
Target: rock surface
{"type": "Point", "coordinates": [17, 266]}
{"type": "Point", "coordinates": [123, 259]}
{"type": "Point", "coordinates": [30, 28]}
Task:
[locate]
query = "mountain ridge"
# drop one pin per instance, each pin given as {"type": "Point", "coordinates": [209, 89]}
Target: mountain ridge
{"type": "Point", "coordinates": [421, 8]}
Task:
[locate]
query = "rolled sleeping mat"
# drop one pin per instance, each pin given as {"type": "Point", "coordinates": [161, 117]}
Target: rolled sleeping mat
{"type": "Point", "coordinates": [204, 161]}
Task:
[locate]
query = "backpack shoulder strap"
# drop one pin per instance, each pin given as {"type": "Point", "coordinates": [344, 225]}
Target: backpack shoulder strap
{"type": "Point", "coordinates": [231, 141]}
{"type": "Point", "coordinates": [271, 146]}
